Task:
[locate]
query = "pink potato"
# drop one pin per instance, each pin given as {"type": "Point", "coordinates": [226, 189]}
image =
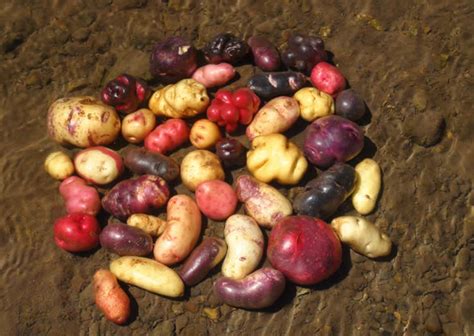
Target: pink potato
{"type": "Point", "coordinates": [98, 165]}
{"type": "Point", "coordinates": [216, 199]}
{"type": "Point", "coordinates": [328, 78]}
{"type": "Point", "coordinates": [212, 75]}
{"type": "Point", "coordinates": [79, 197]}
{"type": "Point", "coordinates": [167, 136]}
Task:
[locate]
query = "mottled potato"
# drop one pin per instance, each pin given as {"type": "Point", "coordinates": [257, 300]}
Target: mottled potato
{"type": "Point", "coordinates": [274, 157]}
{"type": "Point", "coordinates": [204, 134]}
{"type": "Point", "coordinates": [137, 125]}
{"type": "Point", "coordinates": [152, 225]}
{"type": "Point", "coordinates": [82, 122]}
{"type": "Point", "coordinates": [59, 165]}
{"type": "Point", "coordinates": [362, 236]}
{"type": "Point", "coordinates": [99, 165]}
{"type": "Point", "coordinates": [199, 166]}
{"type": "Point", "coordinates": [181, 100]}
{"type": "Point", "coordinates": [369, 181]}
{"type": "Point", "coordinates": [314, 103]}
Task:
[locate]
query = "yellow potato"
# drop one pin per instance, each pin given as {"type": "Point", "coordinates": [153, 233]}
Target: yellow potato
{"type": "Point", "coordinates": [137, 125]}
{"type": "Point", "coordinates": [369, 181]}
{"type": "Point", "coordinates": [199, 166]}
{"type": "Point", "coordinates": [181, 100]}
{"type": "Point", "coordinates": [313, 103]}
{"type": "Point", "coordinates": [148, 274]}
{"type": "Point", "coordinates": [152, 225]}
{"type": "Point", "coordinates": [362, 236]}
{"type": "Point", "coordinates": [274, 157]}
{"type": "Point", "coordinates": [59, 165]}
{"type": "Point", "coordinates": [204, 134]}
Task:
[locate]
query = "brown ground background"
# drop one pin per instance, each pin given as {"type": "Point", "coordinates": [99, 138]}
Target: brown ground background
{"type": "Point", "coordinates": [411, 60]}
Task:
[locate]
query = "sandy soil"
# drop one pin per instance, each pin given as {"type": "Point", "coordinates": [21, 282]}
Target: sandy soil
{"type": "Point", "coordinates": [411, 60]}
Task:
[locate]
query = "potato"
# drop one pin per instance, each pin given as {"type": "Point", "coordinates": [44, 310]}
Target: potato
{"type": "Point", "coordinates": [244, 246]}
{"type": "Point", "coordinates": [184, 99]}
{"type": "Point", "coordinates": [314, 103]}
{"type": "Point", "coordinates": [204, 134]}
{"type": "Point", "coordinates": [362, 236]}
{"type": "Point", "coordinates": [269, 85]}
{"type": "Point", "coordinates": [274, 117]}
{"type": "Point", "coordinates": [369, 181]}
{"type": "Point", "coordinates": [59, 165]}
{"type": "Point", "coordinates": [216, 199]}
{"type": "Point", "coordinates": [148, 274]}
{"type": "Point", "coordinates": [212, 75]}
{"type": "Point", "coordinates": [181, 231]}
{"type": "Point", "coordinates": [141, 161]}
{"type": "Point", "coordinates": [199, 166]}
{"type": "Point", "coordinates": [273, 157]}
{"type": "Point", "coordinates": [125, 240]}
{"type": "Point", "coordinates": [82, 122]}
{"type": "Point", "coordinates": [79, 197]}
{"type": "Point", "coordinates": [98, 165]}
{"type": "Point", "coordinates": [137, 125]}
{"type": "Point", "coordinates": [110, 298]}
{"type": "Point", "coordinates": [152, 225]}
{"type": "Point", "coordinates": [262, 202]}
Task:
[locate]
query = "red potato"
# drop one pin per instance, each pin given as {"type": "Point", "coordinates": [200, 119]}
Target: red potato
{"type": "Point", "coordinates": [79, 197]}
{"type": "Point", "coordinates": [76, 232]}
{"type": "Point", "coordinates": [216, 199]}
{"type": "Point", "coordinates": [328, 78]}
{"type": "Point", "coordinates": [110, 298]}
{"type": "Point", "coordinates": [212, 75]}
{"type": "Point", "coordinates": [167, 136]}
{"type": "Point", "coordinates": [98, 165]}
{"type": "Point", "coordinates": [181, 232]}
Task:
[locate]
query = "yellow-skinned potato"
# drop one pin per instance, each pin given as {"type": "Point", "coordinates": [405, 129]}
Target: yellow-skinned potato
{"type": "Point", "coordinates": [362, 236]}
{"type": "Point", "coordinates": [181, 100]}
{"type": "Point", "coordinates": [204, 134]}
{"type": "Point", "coordinates": [152, 225]}
{"type": "Point", "coordinates": [59, 165]}
{"type": "Point", "coordinates": [82, 122]}
{"type": "Point", "coordinates": [199, 166]}
{"type": "Point", "coordinates": [314, 103]}
{"type": "Point", "coordinates": [148, 274]}
{"type": "Point", "coordinates": [137, 125]}
{"type": "Point", "coordinates": [369, 182]}
{"type": "Point", "coordinates": [274, 157]}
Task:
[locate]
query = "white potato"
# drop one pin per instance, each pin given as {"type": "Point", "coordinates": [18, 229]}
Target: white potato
{"type": "Point", "coordinates": [99, 165]}
{"type": "Point", "coordinates": [137, 125]}
{"type": "Point", "coordinates": [199, 166]}
{"type": "Point", "coordinates": [59, 165]}
{"type": "Point", "coordinates": [152, 225]}
{"type": "Point", "coordinates": [369, 181]}
{"type": "Point", "coordinates": [313, 103]}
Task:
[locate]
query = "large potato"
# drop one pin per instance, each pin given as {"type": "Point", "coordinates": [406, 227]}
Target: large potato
{"type": "Point", "coordinates": [98, 165]}
{"type": "Point", "coordinates": [314, 103]}
{"type": "Point", "coordinates": [369, 181]}
{"type": "Point", "coordinates": [82, 122]}
{"type": "Point", "coordinates": [199, 166]}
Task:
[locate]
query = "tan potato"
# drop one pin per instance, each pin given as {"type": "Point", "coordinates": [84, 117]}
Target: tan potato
{"type": "Point", "coordinates": [199, 166]}
{"type": "Point", "coordinates": [274, 157]}
{"type": "Point", "coordinates": [148, 274]}
{"type": "Point", "coordinates": [152, 225]}
{"type": "Point", "coordinates": [137, 125]}
{"type": "Point", "coordinates": [59, 165]}
{"type": "Point", "coordinates": [244, 246]}
{"type": "Point", "coordinates": [369, 182]}
{"type": "Point", "coordinates": [362, 236]}
{"type": "Point", "coordinates": [313, 103]}
{"type": "Point", "coordinates": [184, 99]}
{"type": "Point", "coordinates": [274, 117]}
{"type": "Point", "coordinates": [204, 134]}
{"type": "Point", "coordinates": [82, 122]}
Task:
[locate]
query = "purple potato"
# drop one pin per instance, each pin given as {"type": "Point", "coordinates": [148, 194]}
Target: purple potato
{"type": "Point", "coordinates": [204, 257]}
{"type": "Point", "coordinates": [265, 55]}
{"type": "Point", "coordinates": [257, 290]}
{"type": "Point", "coordinates": [350, 105]}
{"type": "Point", "coordinates": [126, 240]}
{"type": "Point", "coordinates": [226, 48]}
{"type": "Point", "coordinates": [332, 139]}
{"type": "Point", "coordinates": [231, 152]}
{"type": "Point", "coordinates": [274, 84]}
{"type": "Point", "coordinates": [173, 59]}
{"type": "Point", "coordinates": [140, 161]}
{"type": "Point", "coordinates": [137, 195]}
{"type": "Point", "coordinates": [303, 53]}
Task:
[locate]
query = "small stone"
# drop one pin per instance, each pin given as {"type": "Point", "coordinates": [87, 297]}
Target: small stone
{"type": "Point", "coordinates": [325, 31]}
{"type": "Point", "coordinates": [374, 23]}
{"type": "Point", "coordinates": [420, 99]}
{"type": "Point", "coordinates": [443, 60]}
{"type": "Point", "coordinates": [211, 313]}
{"type": "Point", "coordinates": [191, 307]}
{"type": "Point", "coordinates": [424, 129]}
{"type": "Point", "coordinates": [432, 323]}
{"type": "Point", "coordinates": [177, 309]}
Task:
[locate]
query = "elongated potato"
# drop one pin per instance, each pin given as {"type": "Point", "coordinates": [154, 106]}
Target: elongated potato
{"type": "Point", "coordinates": [148, 274]}
{"type": "Point", "coordinates": [369, 181]}
{"type": "Point", "coordinates": [152, 225]}
{"type": "Point", "coordinates": [362, 236]}
{"type": "Point", "coordinates": [244, 246]}
{"type": "Point", "coordinates": [181, 232]}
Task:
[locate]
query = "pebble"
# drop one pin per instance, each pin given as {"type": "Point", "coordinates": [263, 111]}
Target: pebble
{"type": "Point", "coordinates": [177, 309]}
{"type": "Point", "coordinates": [211, 313]}
{"type": "Point", "coordinates": [432, 323]}
{"type": "Point", "coordinates": [419, 99]}
{"type": "Point", "coordinates": [191, 307]}
{"type": "Point", "coordinates": [425, 129]}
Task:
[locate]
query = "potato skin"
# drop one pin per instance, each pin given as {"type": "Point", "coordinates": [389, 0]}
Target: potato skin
{"type": "Point", "coordinates": [274, 84]}
{"type": "Point", "coordinates": [148, 274]}
{"type": "Point", "coordinates": [152, 225]}
{"type": "Point", "coordinates": [137, 125]}
{"type": "Point", "coordinates": [212, 75]}
{"type": "Point", "coordinates": [125, 240]}
{"type": "Point", "coordinates": [83, 122]}
{"type": "Point", "coordinates": [256, 291]}
{"type": "Point", "coordinates": [59, 165]}
{"type": "Point", "coordinates": [98, 165]}
{"type": "Point", "coordinates": [314, 104]}
{"type": "Point", "coordinates": [110, 298]}
{"type": "Point", "coordinates": [79, 197]}
{"type": "Point", "coordinates": [369, 182]}
{"type": "Point", "coordinates": [167, 136]}
{"type": "Point", "coordinates": [204, 134]}
{"type": "Point", "coordinates": [216, 199]}
{"type": "Point", "coordinates": [199, 166]}
{"type": "Point", "coordinates": [140, 161]}
{"type": "Point", "coordinates": [265, 55]}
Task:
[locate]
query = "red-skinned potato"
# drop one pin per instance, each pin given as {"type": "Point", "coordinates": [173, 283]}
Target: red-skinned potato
{"type": "Point", "coordinates": [167, 136]}
{"type": "Point", "coordinates": [200, 166]}
{"type": "Point", "coordinates": [137, 125]}
{"type": "Point", "coordinates": [77, 232]}
{"type": "Point", "coordinates": [328, 78]}
{"type": "Point", "coordinates": [79, 197]}
{"type": "Point", "coordinates": [110, 298]}
{"type": "Point", "coordinates": [212, 75]}
{"type": "Point", "coordinates": [99, 165]}
{"type": "Point", "coordinates": [59, 165]}
{"type": "Point", "coordinates": [216, 199]}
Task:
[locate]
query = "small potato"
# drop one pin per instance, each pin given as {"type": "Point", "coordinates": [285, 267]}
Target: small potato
{"type": "Point", "coordinates": [125, 240]}
{"type": "Point", "coordinates": [148, 274]}
{"type": "Point", "coordinates": [137, 125]}
{"type": "Point", "coordinates": [245, 246]}
{"type": "Point", "coordinates": [110, 298]}
{"type": "Point", "coordinates": [199, 166]}
{"type": "Point", "coordinates": [79, 198]}
{"type": "Point", "coordinates": [212, 75]}
{"type": "Point", "coordinates": [58, 165]}
{"type": "Point", "coordinates": [362, 236]}
{"type": "Point", "coordinates": [314, 104]}
{"type": "Point", "coordinates": [216, 199]}
{"type": "Point", "coordinates": [269, 85]}
{"type": "Point", "coordinates": [204, 134]}
{"type": "Point", "coordinates": [369, 181]}
{"type": "Point", "coordinates": [141, 161]}
{"type": "Point", "coordinates": [98, 165]}
{"type": "Point", "coordinates": [152, 225]}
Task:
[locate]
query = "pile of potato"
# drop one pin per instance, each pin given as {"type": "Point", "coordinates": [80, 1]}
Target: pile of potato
{"type": "Point", "coordinates": [164, 256]}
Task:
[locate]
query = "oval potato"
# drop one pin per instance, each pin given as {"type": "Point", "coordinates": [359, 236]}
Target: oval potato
{"type": "Point", "coordinates": [204, 134]}
{"type": "Point", "coordinates": [199, 166]}
{"type": "Point", "coordinates": [137, 125]}
{"type": "Point", "coordinates": [369, 181]}
{"type": "Point", "coordinates": [152, 225]}
{"type": "Point", "coordinates": [59, 165]}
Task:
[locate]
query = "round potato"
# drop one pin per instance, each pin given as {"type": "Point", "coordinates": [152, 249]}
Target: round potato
{"type": "Point", "coordinates": [314, 103]}
{"type": "Point", "coordinates": [199, 166]}
{"type": "Point", "coordinates": [216, 199]}
{"type": "Point", "coordinates": [59, 165]}
{"type": "Point", "coordinates": [137, 125]}
{"type": "Point", "coordinates": [99, 165]}
{"type": "Point", "coordinates": [204, 134]}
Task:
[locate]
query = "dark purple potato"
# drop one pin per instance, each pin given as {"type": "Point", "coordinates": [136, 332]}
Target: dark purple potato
{"type": "Point", "coordinates": [225, 48]}
{"type": "Point", "coordinates": [203, 258]}
{"type": "Point", "coordinates": [231, 152]}
{"type": "Point", "coordinates": [274, 84]}
{"type": "Point", "coordinates": [332, 139]}
{"type": "Point", "coordinates": [323, 195]}
{"type": "Point", "coordinates": [265, 55]}
{"type": "Point", "coordinates": [126, 240]}
{"type": "Point", "coordinates": [256, 291]}
{"type": "Point", "coordinates": [303, 53]}
{"type": "Point", "coordinates": [350, 105]}
{"type": "Point", "coordinates": [140, 161]}
{"type": "Point", "coordinates": [173, 59]}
